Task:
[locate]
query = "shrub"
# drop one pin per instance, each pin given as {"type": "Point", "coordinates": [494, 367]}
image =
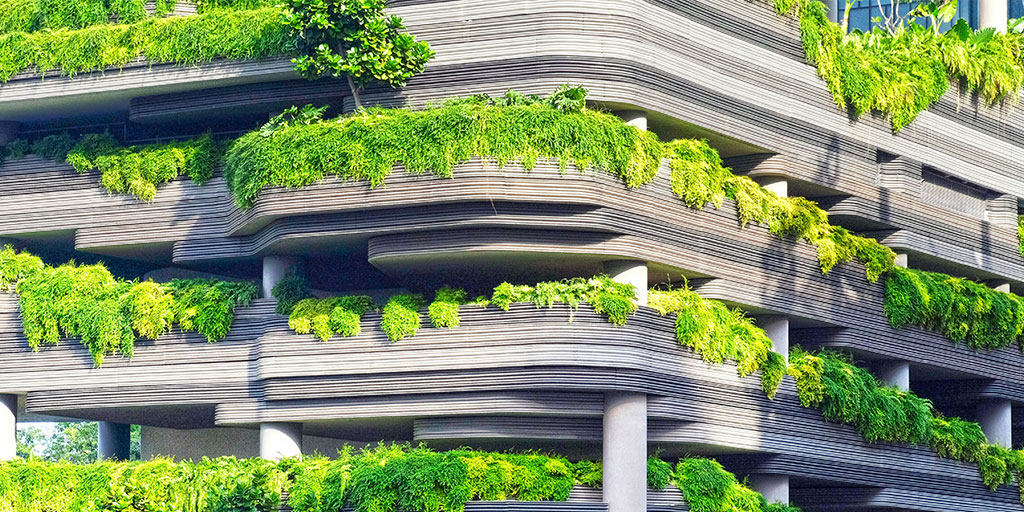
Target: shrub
{"type": "Point", "coordinates": [444, 311]}
{"type": "Point", "coordinates": [330, 316]}
{"type": "Point", "coordinates": [708, 487]}
{"type": "Point", "coordinates": [400, 317]}
{"type": "Point", "coordinates": [291, 289]}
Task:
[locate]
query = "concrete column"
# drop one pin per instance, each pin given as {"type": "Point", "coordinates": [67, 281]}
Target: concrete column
{"type": "Point", "coordinates": [777, 329]}
{"type": "Point", "coordinates": [274, 269]}
{"type": "Point", "coordinates": [895, 374]}
{"type": "Point", "coordinates": [637, 118]}
{"type": "Point", "coordinates": [995, 417]}
{"type": "Point", "coordinates": [993, 14]}
{"type": "Point", "coordinates": [114, 441]}
{"type": "Point", "coordinates": [1000, 286]}
{"type": "Point", "coordinates": [630, 272]}
{"type": "Point", "coordinates": [833, 11]}
{"type": "Point", "coordinates": [901, 259]}
{"type": "Point", "coordinates": [280, 440]}
{"type": "Point", "coordinates": [8, 427]}
{"type": "Point", "coordinates": [8, 131]}
{"type": "Point", "coordinates": [774, 488]}
{"type": "Point", "coordinates": [777, 184]}
{"type": "Point", "coordinates": [625, 451]}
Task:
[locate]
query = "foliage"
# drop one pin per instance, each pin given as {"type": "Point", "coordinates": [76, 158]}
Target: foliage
{"type": "Point", "coordinates": [138, 170]}
{"type": "Point", "coordinates": [444, 311]}
{"type": "Point", "coordinates": [356, 40]}
{"type": "Point", "coordinates": [772, 371]}
{"type": "Point", "coordinates": [291, 289]}
{"type": "Point", "coordinates": [1020, 229]}
{"type": "Point", "coordinates": [902, 70]}
{"type": "Point", "coordinates": [327, 317]}
{"type": "Point", "coordinates": [184, 40]}
{"type": "Point", "coordinates": [708, 487]}
{"type": "Point", "coordinates": [368, 144]}
{"type": "Point", "coordinates": [107, 313]}
{"type": "Point", "coordinates": [400, 317]}
{"type": "Point", "coordinates": [714, 331]}
{"type": "Point", "coordinates": [211, 485]}
{"type": "Point", "coordinates": [28, 442]}
{"type": "Point", "coordinates": [38, 15]}
{"type": "Point", "coordinates": [962, 310]}
{"type": "Point", "coordinates": [607, 296]}
{"type": "Point", "coordinates": [659, 473]}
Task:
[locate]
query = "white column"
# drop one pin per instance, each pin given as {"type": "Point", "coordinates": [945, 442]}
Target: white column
{"type": "Point", "coordinates": [774, 488]}
{"type": "Point", "coordinates": [895, 374]}
{"type": "Point", "coordinates": [833, 9]}
{"type": "Point", "coordinates": [1000, 286]}
{"type": "Point", "coordinates": [8, 427]}
{"type": "Point", "coordinates": [637, 118]}
{"type": "Point", "coordinates": [777, 329]}
{"type": "Point", "coordinates": [632, 272]}
{"type": "Point", "coordinates": [625, 451]}
{"type": "Point", "coordinates": [995, 417]}
{"type": "Point", "coordinates": [993, 14]}
{"type": "Point", "coordinates": [901, 259]}
{"type": "Point", "coordinates": [114, 441]}
{"type": "Point", "coordinates": [777, 184]}
{"type": "Point", "coordinates": [280, 440]}
{"type": "Point", "coordinates": [274, 269]}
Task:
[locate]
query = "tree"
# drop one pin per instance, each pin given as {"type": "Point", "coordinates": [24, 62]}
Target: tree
{"type": "Point", "coordinates": [78, 443]}
{"type": "Point", "coordinates": [354, 39]}
{"type": "Point", "coordinates": [31, 442]}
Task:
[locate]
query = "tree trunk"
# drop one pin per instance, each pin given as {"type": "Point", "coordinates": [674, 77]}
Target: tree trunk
{"type": "Point", "coordinates": [355, 92]}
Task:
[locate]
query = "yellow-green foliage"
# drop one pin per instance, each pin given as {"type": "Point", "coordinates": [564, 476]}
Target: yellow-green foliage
{"type": "Point", "coordinates": [901, 74]}
{"type": "Point", "coordinates": [444, 311]}
{"type": "Point", "coordinates": [1020, 233]}
{"type": "Point", "coordinates": [182, 40]}
{"type": "Point", "coordinates": [963, 310]}
{"type": "Point", "coordinates": [108, 314]}
{"type": "Point", "coordinates": [607, 296]}
{"type": "Point", "coordinates": [699, 178]}
{"type": "Point", "coordinates": [713, 330]}
{"type": "Point", "coordinates": [850, 395]}
{"type": "Point", "coordinates": [708, 487]}
{"type": "Point", "coordinates": [400, 317]}
{"type": "Point", "coordinates": [138, 170]}
{"type": "Point", "coordinates": [333, 315]}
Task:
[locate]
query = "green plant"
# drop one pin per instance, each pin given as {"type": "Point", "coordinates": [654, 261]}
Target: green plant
{"type": "Point", "coordinates": [291, 289]}
{"type": "Point", "coordinates": [108, 314]}
{"type": "Point", "coordinates": [772, 371]}
{"type": "Point", "coordinates": [901, 70]}
{"type": "Point", "coordinates": [714, 331]}
{"type": "Point", "coordinates": [607, 296]}
{"type": "Point", "coordinates": [962, 310]}
{"type": "Point", "coordinates": [327, 317]}
{"type": "Point", "coordinates": [1020, 229]}
{"type": "Point", "coordinates": [444, 311]}
{"type": "Point", "coordinates": [708, 487]}
{"type": "Point", "coordinates": [356, 40]}
{"type": "Point", "coordinates": [400, 317]}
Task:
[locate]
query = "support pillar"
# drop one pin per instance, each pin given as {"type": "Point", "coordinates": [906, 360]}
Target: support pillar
{"type": "Point", "coordinates": [995, 417]}
{"type": "Point", "coordinates": [8, 427]}
{"type": "Point", "coordinates": [114, 441]}
{"type": "Point", "coordinates": [901, 259]}
{"type": "Point", "coordinates": [637, 118]}
{"type": "Point", "coordinates": [993, 14]}
{"type": "Point", "coordinates": [274, 269]}
{"type": "Point", "coordinates": [777, 329]}
{"type": "Point", "coordinates": [774, 488]}
{"type": "Point", "coordinates": [895, 374]}
{"type": "Point", "coordinates": [630, 272]}
{"type": "Point", "coordinates": [777, 184]}
{"type": "Point", "coordinates": [625, 451]}
{"type": "Point", "coordinates": [280, 440]}
{"type": "Point", "coordinates": [833, 9]}
{"type": "Point", "coordinates": [1000, 286]}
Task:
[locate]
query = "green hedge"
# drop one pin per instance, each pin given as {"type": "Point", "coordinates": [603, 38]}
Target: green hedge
{"type": "Point", "coordinates": [185, 40]}
{"type": "Point", "coordinates": [386, 478]}
{"type": "Point", "coordinates": [902, 74]}
{"type": "Point", "coordinates": [109, 314]}
{"type": "Point", "coordinates": [850, 395]}
{"type": "Point", "coordinates": [37, 15]}
{"type": "Point", "coordinates": [369, 144]}
{"type": "Point", "coordinates": [962, 310]}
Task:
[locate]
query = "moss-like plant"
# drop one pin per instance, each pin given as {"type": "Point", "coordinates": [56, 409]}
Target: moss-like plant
{"type": "Point", "coordinates": [607, 296]}
{"type": "Point", "coordinates": [772, 371]}
{"type": "Point", "coordinates": [108, 314]}
{"type": "Point", "coordinates": [1020, 234]}
{"type": "Point", "coordinates": [714, 331]}
{"type": "Point", "coordinates": [901, 72]}
{"type": "Point", "coordinates": [444, 311]}
{"type": "Point", "coordinates": [185, 40]}
{"type": "Point", "coordinates": [138, 170]}
{"type": "Point", "coordinates": [400, 317]}
{"type": "Point", "coordinates": [333, 315]}
{"type": "Point", "coordinates": [291, 289]}
{"type": "Point", "coordinates": [962, 310]}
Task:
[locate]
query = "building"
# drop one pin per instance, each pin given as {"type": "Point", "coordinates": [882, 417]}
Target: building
{"type": "Point", "coordinates": [942, 193]}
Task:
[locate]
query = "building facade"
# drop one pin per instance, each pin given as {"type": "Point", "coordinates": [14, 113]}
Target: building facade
{"type": "Point", "coordinates": [942, 193]}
